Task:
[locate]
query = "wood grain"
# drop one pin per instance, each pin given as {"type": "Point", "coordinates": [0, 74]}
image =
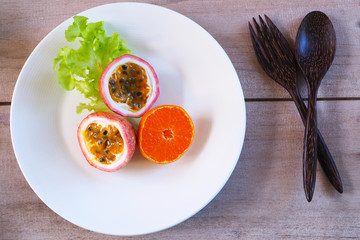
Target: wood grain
{"type": "Point", "coordinates": [23, 25]}
{"type": "Point", "coordinates": [315, 51]}
{"type": "Point", "coordinates": [281, 67]}
{"type": "Point", "coordinates": [263, 198]}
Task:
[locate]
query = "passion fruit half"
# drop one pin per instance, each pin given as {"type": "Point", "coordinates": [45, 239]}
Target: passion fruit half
{"type": "Point", "coordinates": [129, 86]}
{"type": "Point", "coordinates": [107, 140]}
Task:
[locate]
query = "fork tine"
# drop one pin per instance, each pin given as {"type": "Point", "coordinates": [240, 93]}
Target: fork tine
{"type": "Point", "coordinates": [259, 52]}
{"type": "Point", "coordinates": [278, 34]}
{"type": "Point", "coordinates": [259, 49]}
{"type": "Point", "coordinates": [283, 45]}
{"type": "Point", "coordinates": [269, 37]}
{"type": "Point", "coordinates": [258, 30]}
{"type": "Point", "coordinates": [264, 41]}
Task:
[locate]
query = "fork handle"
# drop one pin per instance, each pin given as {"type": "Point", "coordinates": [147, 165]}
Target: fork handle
{"type": "Point", "coordinates": [324, 156]}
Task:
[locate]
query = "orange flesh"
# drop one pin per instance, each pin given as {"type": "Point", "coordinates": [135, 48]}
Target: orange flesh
{"type": "Point", "coordinates": [166, 134]}
{"type": "Point", "coordinates": [128, 84]}
{"type": "Point", "coordinates": [104, 142]}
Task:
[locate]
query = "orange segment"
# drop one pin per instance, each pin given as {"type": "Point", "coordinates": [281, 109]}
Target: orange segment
{"type": "Point", "coordinates": [165, 133]}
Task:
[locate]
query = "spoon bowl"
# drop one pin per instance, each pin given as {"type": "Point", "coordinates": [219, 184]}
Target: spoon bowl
{"type": "Point", "coordinates": [315, 51]}
{"type": "Point", "coordinates": [315, 46]}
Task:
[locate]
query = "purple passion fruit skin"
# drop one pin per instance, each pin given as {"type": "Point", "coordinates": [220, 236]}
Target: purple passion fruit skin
{"type": "Point", "coordinates": [107, 140]}
{"type": "Point", "coordinates": [129, 86]}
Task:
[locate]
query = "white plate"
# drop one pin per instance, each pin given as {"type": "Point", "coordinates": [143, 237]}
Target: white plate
{"type": "Point", "coordinates": [194, 72]}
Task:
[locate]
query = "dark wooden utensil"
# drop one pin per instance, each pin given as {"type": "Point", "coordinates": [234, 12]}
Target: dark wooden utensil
{"type": "Point", "coordinates": [315, 51]}
{"type": "Point", "coordinates": [278, 61]}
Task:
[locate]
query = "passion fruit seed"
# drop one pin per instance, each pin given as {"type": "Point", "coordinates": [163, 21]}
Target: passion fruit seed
{"type": "Point", "coordinates": [103, 142]}
{"type": "Point", "coordinates": [127, 85]}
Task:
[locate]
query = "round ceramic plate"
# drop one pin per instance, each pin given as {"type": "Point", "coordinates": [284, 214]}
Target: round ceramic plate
{"type": "Point", "coordinates": [143, 197]}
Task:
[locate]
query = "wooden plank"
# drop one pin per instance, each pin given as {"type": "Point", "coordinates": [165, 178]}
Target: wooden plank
{"type": "Point", "coordinates": [263, 199]}
{"type": "Point", "coordinates": [23, 25]}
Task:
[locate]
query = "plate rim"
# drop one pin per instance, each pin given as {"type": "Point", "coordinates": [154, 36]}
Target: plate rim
{"type": "Point", "coordinates": [242, 103]}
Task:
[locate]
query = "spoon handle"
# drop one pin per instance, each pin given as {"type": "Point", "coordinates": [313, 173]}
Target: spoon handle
{"type": "Point", "coordinates": [323, 154]}
{"type": "Point", "coordinates": [310, 147]}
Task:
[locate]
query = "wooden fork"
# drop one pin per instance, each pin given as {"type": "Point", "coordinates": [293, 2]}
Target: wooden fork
{"type": "Point", "coordinates": [278, 61]}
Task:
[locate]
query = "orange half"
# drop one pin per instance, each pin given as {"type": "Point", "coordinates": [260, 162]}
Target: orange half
{"type": "Point", "coordinates": [165, 133]}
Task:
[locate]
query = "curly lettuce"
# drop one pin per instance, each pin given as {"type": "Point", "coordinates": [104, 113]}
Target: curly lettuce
{"type": "Point", "coordinates": [81, 68]}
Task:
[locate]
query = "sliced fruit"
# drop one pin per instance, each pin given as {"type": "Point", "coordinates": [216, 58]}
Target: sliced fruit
{"type": "Point", "coordinates": [107, 140]}
{"type": "Point", "coordinates": [129, 86]}
{"type": "Point", "coordinates": [165, 133]}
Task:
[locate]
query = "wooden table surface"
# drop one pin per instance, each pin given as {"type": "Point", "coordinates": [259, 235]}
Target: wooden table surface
{"type": "Point", "coordinates": [264, 197]}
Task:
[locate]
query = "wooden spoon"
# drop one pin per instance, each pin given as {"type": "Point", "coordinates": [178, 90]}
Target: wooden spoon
{"type": "Point", "coordinates": [315, 51]}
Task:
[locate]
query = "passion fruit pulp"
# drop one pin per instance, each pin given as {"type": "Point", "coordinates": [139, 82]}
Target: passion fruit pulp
{"type": "Point", "coordinates": [107, 140]}
{"type": "Point", "coordinates": [104, 142]}
{"type": "Point", "coordinates": [129, 86]}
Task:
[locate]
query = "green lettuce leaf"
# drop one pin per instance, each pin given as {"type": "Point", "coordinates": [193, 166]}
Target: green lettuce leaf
{"type": "Point", "coordinates": [81, 68]}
